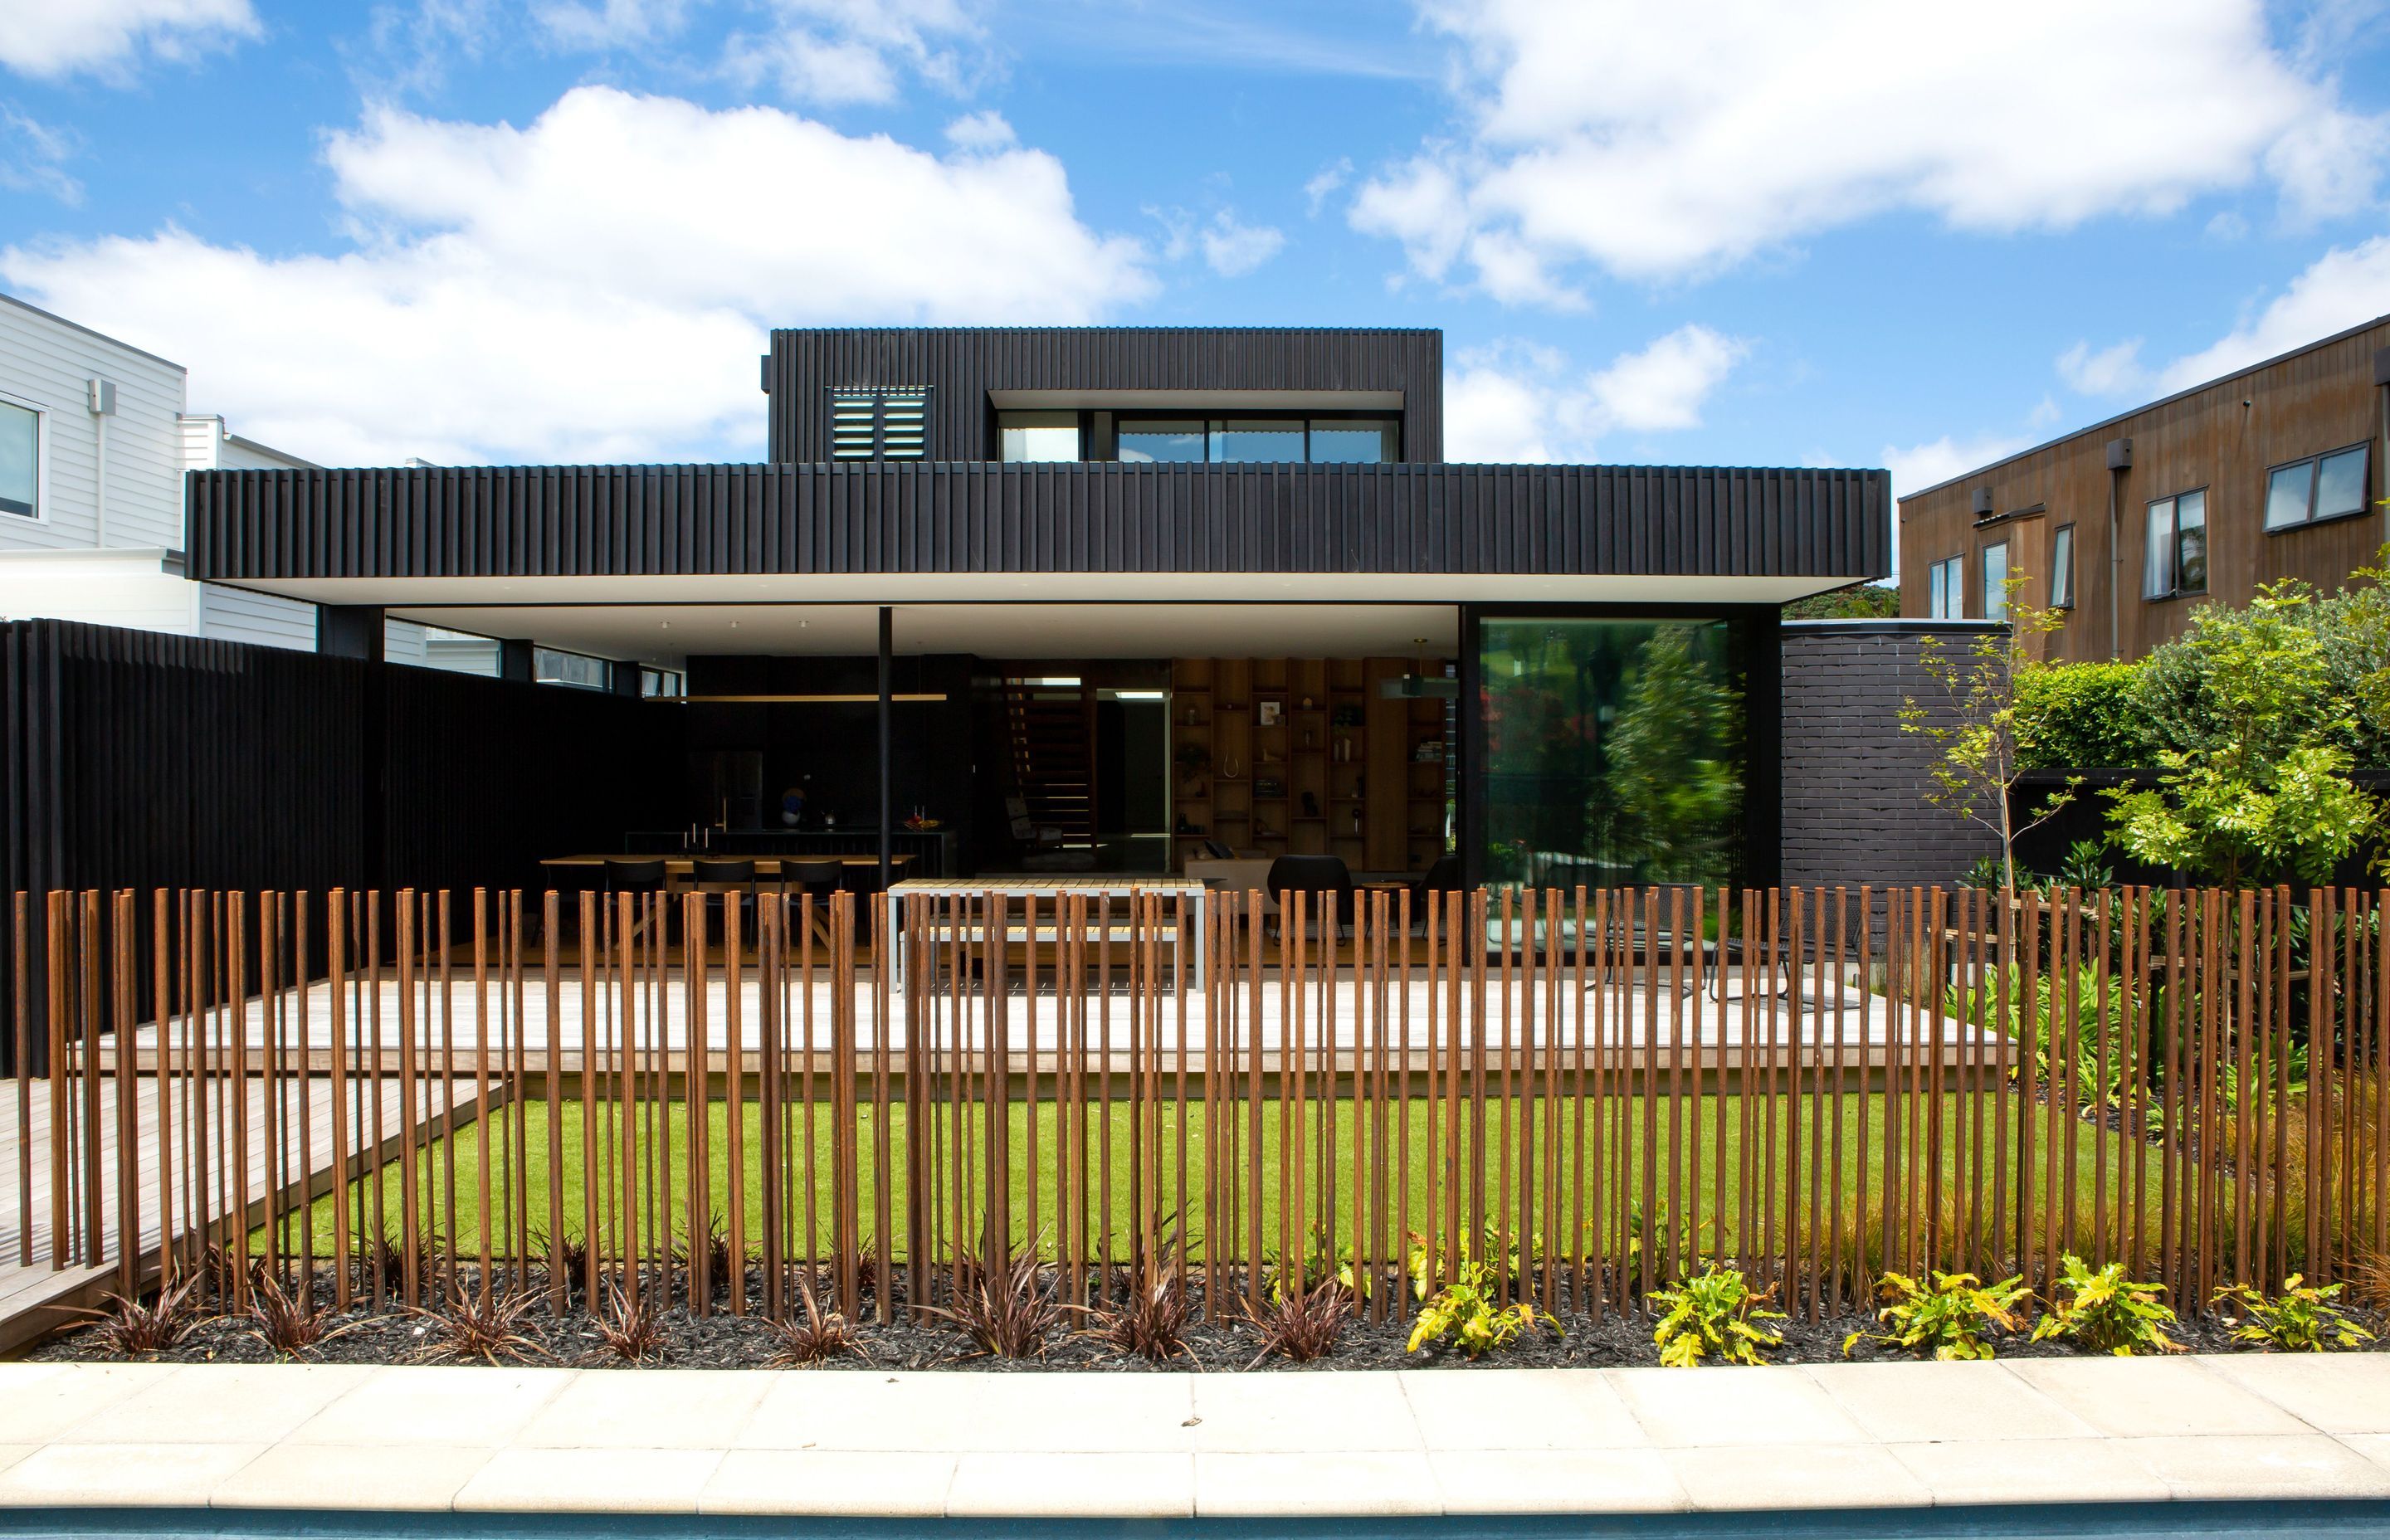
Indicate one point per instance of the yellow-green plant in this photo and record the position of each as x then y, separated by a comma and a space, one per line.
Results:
1715, 1311
2107, 1311
1948, 1318
2299, 1319
1465, 1313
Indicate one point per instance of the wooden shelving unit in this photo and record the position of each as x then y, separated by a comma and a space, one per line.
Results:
1307, 756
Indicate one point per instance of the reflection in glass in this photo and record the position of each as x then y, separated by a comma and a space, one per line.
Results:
1155, 442
1336, 441
2286, 495
1256, 440
1037, 436
1615, 751
1996, 581
2061, 568
2191, 543
21, 444
2157, 555
2340, 484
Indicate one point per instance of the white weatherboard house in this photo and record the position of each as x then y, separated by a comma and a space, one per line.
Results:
95, 439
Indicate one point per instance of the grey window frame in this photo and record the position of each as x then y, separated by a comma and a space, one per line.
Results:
2062, 572
1127, 421
1951, 573
1995, 609
2175, 590
2314, 464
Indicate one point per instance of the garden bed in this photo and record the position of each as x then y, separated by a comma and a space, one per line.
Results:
719, 1340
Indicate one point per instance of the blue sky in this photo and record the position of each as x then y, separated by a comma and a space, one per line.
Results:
1844, 233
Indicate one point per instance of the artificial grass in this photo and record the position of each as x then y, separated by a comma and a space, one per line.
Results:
453, 1209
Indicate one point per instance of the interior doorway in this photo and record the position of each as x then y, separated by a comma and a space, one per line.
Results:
1132, 753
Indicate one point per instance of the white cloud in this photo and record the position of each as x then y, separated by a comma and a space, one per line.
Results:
845, 52
51, 38
981, 132
1516, 403
607, 23
2112, 371
1325, 184
1668, 142
511, 295
33, 157
1923, 465
2343, 288
1232, 248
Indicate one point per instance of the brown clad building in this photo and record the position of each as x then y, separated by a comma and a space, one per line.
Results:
2274, 471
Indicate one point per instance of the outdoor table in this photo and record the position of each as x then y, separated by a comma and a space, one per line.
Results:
1057, 887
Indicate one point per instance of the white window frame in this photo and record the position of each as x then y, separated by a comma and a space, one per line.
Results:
40, 514
1948, 578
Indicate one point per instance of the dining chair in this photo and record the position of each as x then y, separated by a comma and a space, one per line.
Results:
1325, 876
813, 880
729, 877
638, 876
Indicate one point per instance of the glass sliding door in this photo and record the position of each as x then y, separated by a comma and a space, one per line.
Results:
1614, 751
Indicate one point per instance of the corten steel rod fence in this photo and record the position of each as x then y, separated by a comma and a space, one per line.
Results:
730, 1100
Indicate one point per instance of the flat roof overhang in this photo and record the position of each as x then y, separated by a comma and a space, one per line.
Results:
1439, 533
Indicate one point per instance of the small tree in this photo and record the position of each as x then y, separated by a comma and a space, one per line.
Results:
1972, 727
2254, 784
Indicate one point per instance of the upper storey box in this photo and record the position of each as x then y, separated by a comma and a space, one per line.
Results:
1168, 394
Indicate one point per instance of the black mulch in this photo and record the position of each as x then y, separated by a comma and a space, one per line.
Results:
721, 1341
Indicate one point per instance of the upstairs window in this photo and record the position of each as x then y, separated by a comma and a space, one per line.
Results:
2061, 568
880, 425
20, 460
2174, 563
1025, 437
554, 666
2320, 487
1258, 440
1946, 590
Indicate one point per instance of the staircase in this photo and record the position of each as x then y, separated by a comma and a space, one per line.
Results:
1051, 733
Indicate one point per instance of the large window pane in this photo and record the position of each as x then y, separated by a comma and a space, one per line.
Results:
21, 452
2191, 543
1996, 581
1937, 594
2157, 557
2061, 568
1256, 440
2286, 495
1037, 436
1150, 441
2340, 483
1614, 751
1338, 441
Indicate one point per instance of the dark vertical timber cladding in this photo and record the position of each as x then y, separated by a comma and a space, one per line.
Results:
884, 517
961, 366
145, 761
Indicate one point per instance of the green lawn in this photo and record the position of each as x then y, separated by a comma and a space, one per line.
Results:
1698, 1150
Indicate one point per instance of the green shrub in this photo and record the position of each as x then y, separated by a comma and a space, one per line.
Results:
2107, 1311
2299, 1319
2071, 715
1465, 1313
1714, 1312
1947, 1319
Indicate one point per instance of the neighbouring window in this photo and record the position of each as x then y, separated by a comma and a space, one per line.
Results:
20, 460
890, 424
1258, 440
551, 666
1996, 581
2320, 487
662, 682
2061, 568
1946, 595
1024, 437
2175, 561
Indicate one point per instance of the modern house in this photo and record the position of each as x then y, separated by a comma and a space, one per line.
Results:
1115, 599
2270, 472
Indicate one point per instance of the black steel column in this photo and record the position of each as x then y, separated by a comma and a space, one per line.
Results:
887, 745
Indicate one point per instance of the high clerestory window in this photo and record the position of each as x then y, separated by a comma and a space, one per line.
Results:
890, 423
1259, 440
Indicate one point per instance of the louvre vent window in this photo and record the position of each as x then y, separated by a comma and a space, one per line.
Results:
880, 425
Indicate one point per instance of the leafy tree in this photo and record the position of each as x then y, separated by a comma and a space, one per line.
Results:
1973, 727
2260, 718
1860, 602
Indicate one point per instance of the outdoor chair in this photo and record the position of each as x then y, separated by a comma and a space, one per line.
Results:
1326, 877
